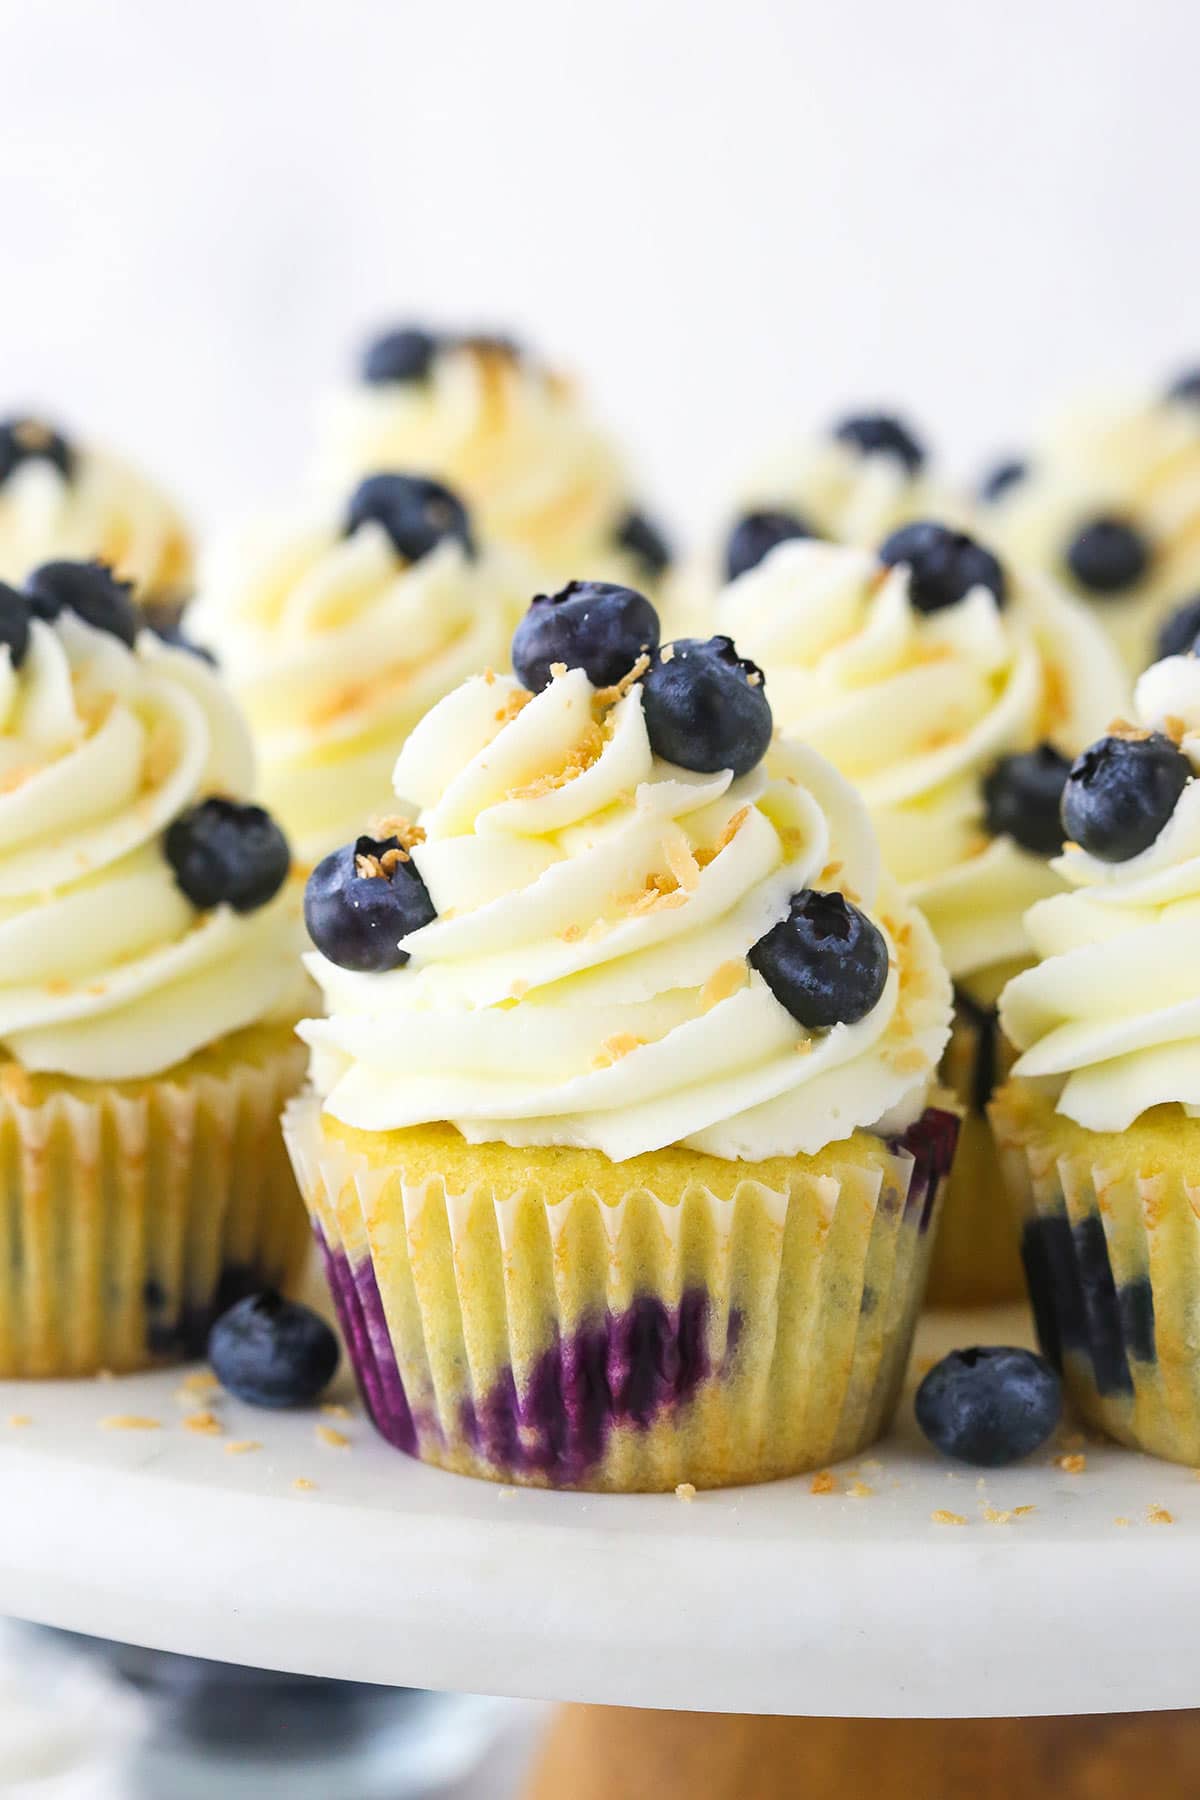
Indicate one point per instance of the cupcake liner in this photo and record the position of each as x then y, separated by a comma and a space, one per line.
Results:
132, 1213
627, 1342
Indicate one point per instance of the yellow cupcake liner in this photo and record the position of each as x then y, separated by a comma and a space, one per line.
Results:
132, 1212
1110, 1227
547, 1317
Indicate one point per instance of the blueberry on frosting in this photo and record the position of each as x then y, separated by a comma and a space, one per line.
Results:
706, 707
88, 589
1108, 555
226, 853
403, 355
595, 626
1001, 477
881, 433
417, 513
362, 899
944, 565
827, 963
756, 534
15, 614
28, 440
1177, 635
1023, 799
1121, 792
643, 540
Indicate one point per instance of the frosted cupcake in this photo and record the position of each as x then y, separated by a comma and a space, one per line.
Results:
336, 637
624, 1152
1100, 1124
949, 689
148, 988
70, 500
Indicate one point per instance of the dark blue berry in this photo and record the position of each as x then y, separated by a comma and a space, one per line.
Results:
417, 513
269, 1351
1108, 556
360, 901
404, 355
706, 707
88, 589
1177, 635
1023, 799
1002, 477
28, 440
826, 962
15, 615
1121, 792
873, 433
590, 625
944, 565
1186, 387
756, 534
225, 853
989, 1406
643, 540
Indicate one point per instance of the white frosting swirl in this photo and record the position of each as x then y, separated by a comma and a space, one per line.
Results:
585, 981
1110, 1015
106, 971
847, 494
916, 708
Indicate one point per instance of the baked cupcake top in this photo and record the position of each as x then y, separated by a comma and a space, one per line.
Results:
65, 499
946, 687
604, 921
338, 635
1110, 1015
141, 913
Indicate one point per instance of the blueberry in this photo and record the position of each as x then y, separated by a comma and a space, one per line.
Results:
89, 589
643, 540
15, 614
357, 916
1023, 799
706, 707
989, 1406
1121, 792
24, 440
1177, 635
875, 433
1002, 477
404, 355
269, 1351
417, 513
225, 853
590, 625
826, 962
756, 534
1107, 556
1186, 387
944, 565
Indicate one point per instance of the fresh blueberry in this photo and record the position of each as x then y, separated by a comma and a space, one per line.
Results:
15, 614
1002, 477
882, 433
417, 513
756, 534
225, 853
643, 540
989, 1406
89, 589
1108, 556
361, 900
1121, 792
944, 565
1186, 387
706, 707
26, 440
269, 1351
590, 625
1177, 635
404, 355
826, 962
1023, 799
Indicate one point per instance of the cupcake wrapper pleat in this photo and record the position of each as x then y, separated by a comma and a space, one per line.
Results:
628, 1346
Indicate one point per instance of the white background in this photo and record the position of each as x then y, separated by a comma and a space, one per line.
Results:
732, 219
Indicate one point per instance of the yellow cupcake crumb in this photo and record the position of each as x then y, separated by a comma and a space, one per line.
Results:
1158, 1515
685, 1491
18, 1421
327, 1434
723, 983
942, 1517
859, 1490
303, 1485
823, 1483
206, 1423
129, 1422
242, 1446
1074, 1464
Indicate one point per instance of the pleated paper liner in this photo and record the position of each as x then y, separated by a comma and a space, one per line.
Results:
550, 1318
131, 1213
1111, 1244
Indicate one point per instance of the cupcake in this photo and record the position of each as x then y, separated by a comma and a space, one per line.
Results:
1108, 501
148, 992
623, 1151
337, 636
509, 434
950, 690
1099, 1125
69, 500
